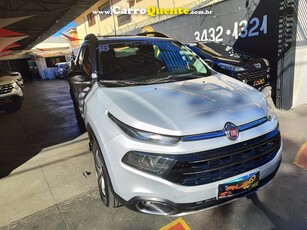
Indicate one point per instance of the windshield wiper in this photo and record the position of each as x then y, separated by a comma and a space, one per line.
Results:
118, 82
186, 76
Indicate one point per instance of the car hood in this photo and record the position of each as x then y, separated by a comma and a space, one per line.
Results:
184, 108
14, 74
248, 62
253, 64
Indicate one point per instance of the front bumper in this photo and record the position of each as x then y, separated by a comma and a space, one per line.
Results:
135, 188
9, 102
160, 206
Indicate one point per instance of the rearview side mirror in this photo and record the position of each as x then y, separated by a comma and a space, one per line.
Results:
72, 63
73, 73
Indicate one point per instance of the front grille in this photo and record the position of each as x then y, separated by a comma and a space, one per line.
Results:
218, 164
222, 132
254, 78
6, 88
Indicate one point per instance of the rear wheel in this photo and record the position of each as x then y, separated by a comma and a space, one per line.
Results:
104, 183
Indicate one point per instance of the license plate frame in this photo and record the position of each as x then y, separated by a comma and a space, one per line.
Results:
238, 186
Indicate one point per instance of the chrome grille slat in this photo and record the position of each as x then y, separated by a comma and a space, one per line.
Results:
6, 88
222, 133
212, 165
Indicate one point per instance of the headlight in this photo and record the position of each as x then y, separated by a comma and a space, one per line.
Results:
229, 67
20, 81
156, 164
145, 136
15, 85
270, 111
266, 61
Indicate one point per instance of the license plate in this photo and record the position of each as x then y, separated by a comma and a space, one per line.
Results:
238, 186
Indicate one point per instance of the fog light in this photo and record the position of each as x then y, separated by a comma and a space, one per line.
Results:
155, 207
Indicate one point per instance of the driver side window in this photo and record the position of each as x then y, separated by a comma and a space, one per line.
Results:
87, 62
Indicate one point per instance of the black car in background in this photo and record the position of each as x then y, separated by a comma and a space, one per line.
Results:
225, 59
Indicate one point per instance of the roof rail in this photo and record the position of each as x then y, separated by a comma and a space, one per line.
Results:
155, 34
118, 35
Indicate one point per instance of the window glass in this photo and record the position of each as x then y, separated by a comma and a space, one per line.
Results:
51, 61
147, 61
80, 57
123, 19
218, 49
87, 62
105, 8
91, 19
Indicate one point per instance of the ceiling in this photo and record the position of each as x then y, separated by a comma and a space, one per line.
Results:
38, 19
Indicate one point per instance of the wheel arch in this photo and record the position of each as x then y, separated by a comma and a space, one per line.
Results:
91, 134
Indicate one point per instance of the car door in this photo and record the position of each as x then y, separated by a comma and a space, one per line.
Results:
80, 81
86, 67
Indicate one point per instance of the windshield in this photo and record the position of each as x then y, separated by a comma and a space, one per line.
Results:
219, 50
3, 72
148, 62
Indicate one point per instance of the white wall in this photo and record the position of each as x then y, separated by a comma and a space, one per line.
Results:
106, 26
300, 77
300, 73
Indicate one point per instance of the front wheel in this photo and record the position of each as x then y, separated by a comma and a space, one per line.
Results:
104, 183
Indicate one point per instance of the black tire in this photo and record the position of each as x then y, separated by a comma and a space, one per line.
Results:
104, 183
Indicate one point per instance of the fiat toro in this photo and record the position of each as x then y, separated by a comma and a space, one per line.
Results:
170, 135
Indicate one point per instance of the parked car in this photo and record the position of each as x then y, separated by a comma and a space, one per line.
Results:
66, 69
170, 135
225, 59
60, 68
11, 95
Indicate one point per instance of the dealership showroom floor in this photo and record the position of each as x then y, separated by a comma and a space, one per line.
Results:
48, 177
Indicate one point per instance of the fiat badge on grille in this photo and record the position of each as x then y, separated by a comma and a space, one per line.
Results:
232, 131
